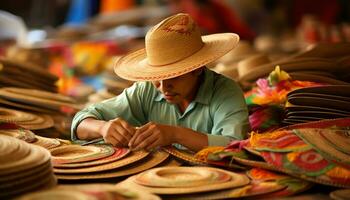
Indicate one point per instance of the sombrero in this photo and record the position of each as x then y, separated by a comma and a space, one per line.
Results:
236, 180
118, 154
22, 134
41, 122
174, 177
263, 184
252, 190
132, 157
152, 160
76, 153
174, 47
26, 120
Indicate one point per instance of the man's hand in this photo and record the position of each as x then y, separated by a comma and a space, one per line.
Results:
117, 132
152, 135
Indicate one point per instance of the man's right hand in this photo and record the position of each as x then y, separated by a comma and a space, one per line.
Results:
117, 132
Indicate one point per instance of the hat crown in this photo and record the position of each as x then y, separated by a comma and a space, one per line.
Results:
172, 40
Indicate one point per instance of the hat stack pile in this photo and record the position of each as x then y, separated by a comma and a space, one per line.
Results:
317, 103
211, 183
26, 75
24, 167
91, 192
37, 100
30, 137
323, 63
20, 124
185, 180
26, 120
75, 162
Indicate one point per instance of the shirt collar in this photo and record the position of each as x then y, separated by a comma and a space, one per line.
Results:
205, 90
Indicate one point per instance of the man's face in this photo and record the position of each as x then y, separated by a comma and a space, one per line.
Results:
179, 89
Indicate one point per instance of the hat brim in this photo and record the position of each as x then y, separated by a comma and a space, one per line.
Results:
152, 160
289, 65
135, 67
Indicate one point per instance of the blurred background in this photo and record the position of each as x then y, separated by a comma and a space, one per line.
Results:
78, 40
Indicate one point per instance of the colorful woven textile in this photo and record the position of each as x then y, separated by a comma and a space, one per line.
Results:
321, 158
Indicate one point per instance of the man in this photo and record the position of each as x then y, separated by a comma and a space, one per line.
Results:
176, 99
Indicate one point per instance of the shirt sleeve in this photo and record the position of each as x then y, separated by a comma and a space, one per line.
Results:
127, 106
230, 116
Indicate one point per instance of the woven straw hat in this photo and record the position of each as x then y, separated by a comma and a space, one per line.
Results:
125, 168
174, 47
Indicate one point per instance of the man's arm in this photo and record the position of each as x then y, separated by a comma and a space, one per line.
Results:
89, 129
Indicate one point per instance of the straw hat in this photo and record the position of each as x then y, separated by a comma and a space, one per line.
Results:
236, 180
131, 158
174, 47
118, 154
157, 158
76, 153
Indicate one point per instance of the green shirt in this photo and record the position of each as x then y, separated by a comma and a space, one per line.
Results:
218, 110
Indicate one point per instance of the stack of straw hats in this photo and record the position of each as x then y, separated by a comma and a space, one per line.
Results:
75, 162
30, 137
24, 167
25, 75
26, 120
317, 103
202, 183
321, 63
